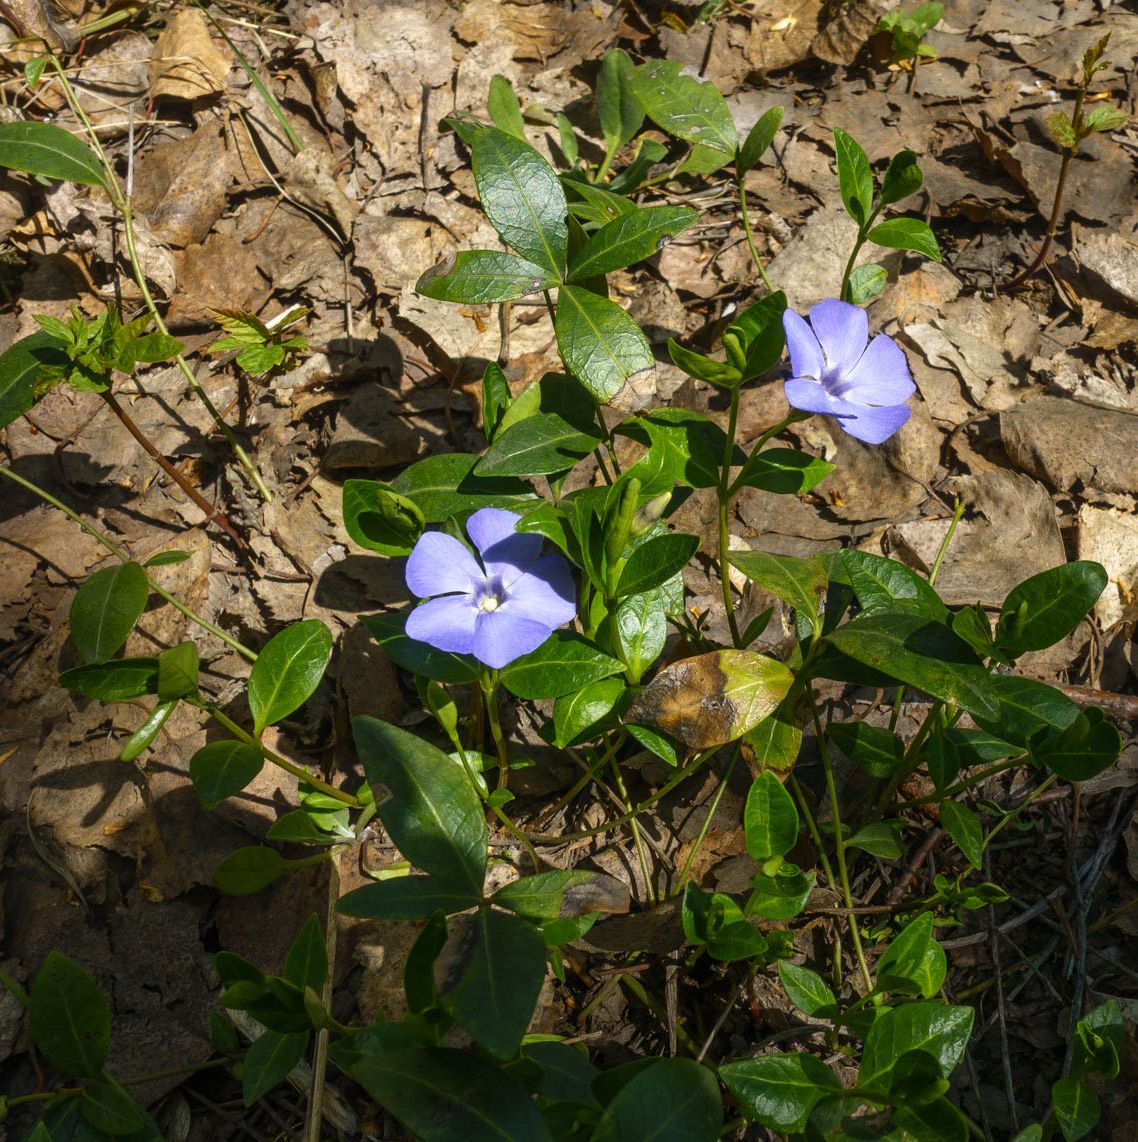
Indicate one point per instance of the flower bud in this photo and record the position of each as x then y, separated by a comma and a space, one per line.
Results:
650, 513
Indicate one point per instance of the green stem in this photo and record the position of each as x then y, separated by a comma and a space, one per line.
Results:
637, 839
862, 232
963, 785
11, 985
750, 236
1030, 799
297, 771
490, 692
119, 553
724, 516
59, 1095
792, 418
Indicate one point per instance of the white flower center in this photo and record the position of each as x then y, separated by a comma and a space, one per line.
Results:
489, 603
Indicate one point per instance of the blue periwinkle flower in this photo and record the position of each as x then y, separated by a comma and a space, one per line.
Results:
497, 607
839, 372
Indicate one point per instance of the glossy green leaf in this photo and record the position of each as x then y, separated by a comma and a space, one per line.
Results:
418, 657
427, 805
884, 586
20, 366
287, 671
797, 582
780, 896
504, 108
601, 345
118, 681
648, 153
779, 1091
855, 179
537, 446
489, 982
441, 1095
972, 625
755, 338
306, 962
655, 561
617, 108
407, 898
657, 744
866, 282
178, 672
713, 698
248, 870
963, 826
668, 1099
629, 239
758, 139
935, 1027
691, 444
915, 957
561, 665
1076, 1108
269, 1061
902, 178
770, 819
807, 990
444, 485
876, 750
1084, 749
496, 398
583, 715
68, 1018
222, 769
1026, 707
148, 731
907, 234
879, 838
379, 519
776, 741
479, 277
703, 368
640, 627
919, 652
49, 151
105, 609
783, 471
690, 109
560, 894
522, 198
1048, 606
594, 205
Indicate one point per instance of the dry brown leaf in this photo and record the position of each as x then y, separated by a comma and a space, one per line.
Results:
187, 64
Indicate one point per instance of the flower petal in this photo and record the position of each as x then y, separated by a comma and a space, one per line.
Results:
440, 565
448, 623
809, 396
545, 593
842, 330
500, 637
881, 377
805, 352
505, 552
875, 425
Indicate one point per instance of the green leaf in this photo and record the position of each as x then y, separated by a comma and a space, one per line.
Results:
504, 108
379, 519
881, 838
783, 471
1076, 1108
755, 339
49, 151
807, 990
855, 179
963, 826
539, 445
431, 811
884, 586
594, 205
248, 870
655, 561
442, 1095
902, 178
1048, 606
105, 609
68, 1018
478, 277
581, 716
779, 1091
691, 110
407, 898
906, 234
712, 698
781, 896
496, 398
567, 1074
269, 1061
490, 983
703, 368
178, 672
880, 753
668, 1099
617, 108
971, 624
221, 769
797, 582
119, 681
20, 366
148, 731
629, 239
560, 894
760, 136
1084, 749
109, 1108
866, 282
640, 628
1026, 707
914, 957
776, 740
306, 963
168, 558
918, 652
418, 657
770, 819
562, 664
147, 349
654, 743
691, 444
522, 198
601, 345
287, 671
1103, 117
934, 1027
444, 485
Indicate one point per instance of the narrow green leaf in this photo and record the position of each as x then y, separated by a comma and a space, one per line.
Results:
418, 657
407, 898
755, 339
963, 826
902, 178
496, 398
915, 957
583, 715
49, 151
934, 1027
120, 680
504, 108
69, 1020
875, 749
783, 471
108, 1107
629, 239
866, 282
880, 838
617, 108
907, 234
379, 519
703, 368
269, 1061
178, 672
444, 485
306, 963
760, 136
884, 586
855, 179
807, 990
479, 277
797, 582
770, 819
1076, 1107
654, 562
287, 671
601, 345
248, 870
148, 731
105, 609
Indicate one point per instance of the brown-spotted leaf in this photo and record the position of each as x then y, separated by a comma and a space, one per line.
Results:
713, 698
